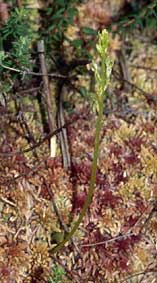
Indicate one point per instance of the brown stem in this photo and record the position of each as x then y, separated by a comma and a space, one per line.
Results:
63, 134
46, 88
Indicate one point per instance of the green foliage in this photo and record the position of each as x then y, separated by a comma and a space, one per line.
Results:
58, 273
141, 18
16, 39
57, 17
17, 25
60, 15
82, 45
89, 31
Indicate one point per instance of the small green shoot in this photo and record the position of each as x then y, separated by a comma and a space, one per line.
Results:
58, 273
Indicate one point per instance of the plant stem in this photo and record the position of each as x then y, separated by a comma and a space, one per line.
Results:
92, 180
102, 75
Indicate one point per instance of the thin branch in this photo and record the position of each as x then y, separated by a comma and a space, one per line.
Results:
28, 72
143, 67
40, 142
137, 274
61, 222
35, 168
8, 201
108, 241
129, 233
118, 77
29, 134
26, 91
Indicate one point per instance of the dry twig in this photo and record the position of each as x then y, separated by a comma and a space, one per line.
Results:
48, 97
40, 142
63, 134
124, 69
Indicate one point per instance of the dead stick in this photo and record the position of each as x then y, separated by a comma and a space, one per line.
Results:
47, 95
63, 134
124, 69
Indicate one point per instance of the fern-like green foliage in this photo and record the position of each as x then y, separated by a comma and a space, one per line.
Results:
16, 37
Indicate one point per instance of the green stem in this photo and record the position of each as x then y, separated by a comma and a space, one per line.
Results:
92, 180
